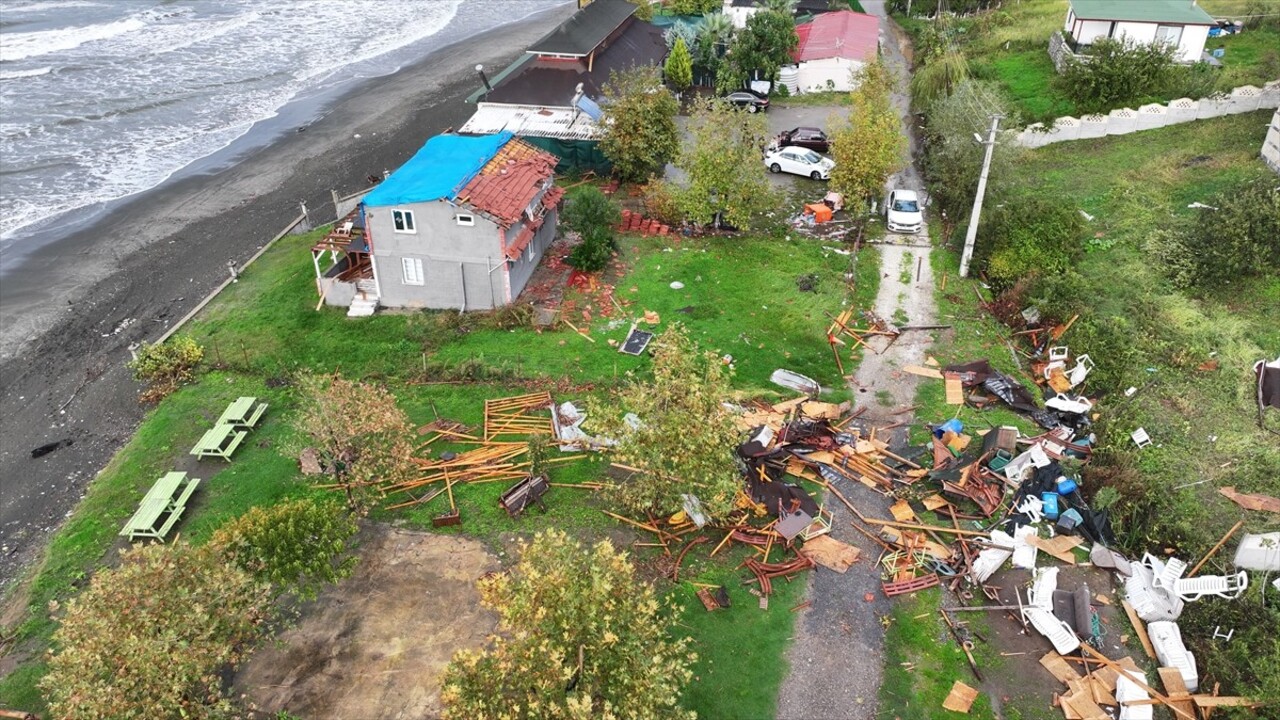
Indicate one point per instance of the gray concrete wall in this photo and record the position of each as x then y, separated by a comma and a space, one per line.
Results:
523, 268
1271, 146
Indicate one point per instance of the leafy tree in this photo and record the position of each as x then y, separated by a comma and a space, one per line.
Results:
581, 639
1026, 237
1117, 73
953, 160
939, 77
644, 10
1238, 238
762, 47
713, 40
298, 545
148, 639
685, 438
782, 7
722, 161
640, 135
679, 66
361, 437
692, 7
166, 366
870, 146
593, 216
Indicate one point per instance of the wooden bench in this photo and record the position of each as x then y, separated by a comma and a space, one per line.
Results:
220, 441
166, 499
243, 412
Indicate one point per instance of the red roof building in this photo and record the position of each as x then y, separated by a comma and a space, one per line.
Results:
832, 47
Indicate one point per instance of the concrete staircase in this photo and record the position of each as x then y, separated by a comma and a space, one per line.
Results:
366, 300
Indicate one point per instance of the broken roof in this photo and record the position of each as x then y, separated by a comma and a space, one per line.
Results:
582, 33
510, 181
845, 34
443, 164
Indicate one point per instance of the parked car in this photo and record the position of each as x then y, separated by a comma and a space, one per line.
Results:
806, 137
749, 99
799, 161
903, 213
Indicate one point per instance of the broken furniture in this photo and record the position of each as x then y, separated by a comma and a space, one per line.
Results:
1224, 586
1259, 552
637, 340
1141, 438
166, 499
713, 599
524, 493
1166, 638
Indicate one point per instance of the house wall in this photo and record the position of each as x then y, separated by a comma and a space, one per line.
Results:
814, 74
1087, 32
738, 15
453, 257
521, 270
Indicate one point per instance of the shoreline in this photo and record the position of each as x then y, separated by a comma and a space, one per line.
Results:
66, 331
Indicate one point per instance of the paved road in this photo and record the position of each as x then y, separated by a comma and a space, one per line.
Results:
837, 656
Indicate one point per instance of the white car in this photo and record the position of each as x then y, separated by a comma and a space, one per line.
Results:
799, 161
902, 211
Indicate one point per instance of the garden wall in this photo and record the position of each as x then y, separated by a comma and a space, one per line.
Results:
1246, 98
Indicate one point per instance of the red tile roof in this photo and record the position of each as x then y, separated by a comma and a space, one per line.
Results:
844, 34
521, 242
508, 183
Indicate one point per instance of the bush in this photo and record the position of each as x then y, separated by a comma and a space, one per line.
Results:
1027, 237
1117, 73
298, 545
149, 638
953, 160
581, 638
640, 133
1238, 236
594, 216
166, 366
660, 202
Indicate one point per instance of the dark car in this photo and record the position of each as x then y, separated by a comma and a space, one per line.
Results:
750, 99
805, 137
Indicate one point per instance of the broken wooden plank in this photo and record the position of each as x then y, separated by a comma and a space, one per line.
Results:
1247, 501
1059, 668
923, 371
961, 698
1141, 629
954, 391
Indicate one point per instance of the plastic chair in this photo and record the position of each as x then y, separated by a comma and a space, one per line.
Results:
1141, 438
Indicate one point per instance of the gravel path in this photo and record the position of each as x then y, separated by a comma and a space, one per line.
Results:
837, 654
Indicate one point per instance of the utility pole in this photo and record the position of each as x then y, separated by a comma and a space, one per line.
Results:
972, 234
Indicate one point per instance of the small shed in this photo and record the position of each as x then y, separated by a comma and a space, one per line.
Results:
1181, 23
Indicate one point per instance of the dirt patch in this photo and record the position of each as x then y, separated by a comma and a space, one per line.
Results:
374, 646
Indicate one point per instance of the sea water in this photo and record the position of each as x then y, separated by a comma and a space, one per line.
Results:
100, 100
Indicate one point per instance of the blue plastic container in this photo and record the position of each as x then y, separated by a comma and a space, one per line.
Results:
1066, 485
1050, 500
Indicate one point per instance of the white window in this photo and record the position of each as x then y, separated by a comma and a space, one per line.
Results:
403, 221
1171, 34
412, 271
467, 220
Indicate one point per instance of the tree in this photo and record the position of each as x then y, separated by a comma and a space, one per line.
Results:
593, 216
726, 181
581, 638
1236, 237
640, 135
679, 66
782, 7
1117, 73
298, 545
149, 638
953, 160
762, 47
685, 439
713, 40
938, 77
361, 437
692, 7
870, 146
644, 10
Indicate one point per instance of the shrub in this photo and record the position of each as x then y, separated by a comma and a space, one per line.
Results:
148, 639
953, 160
1026, 237
1117, 73
594, 216
581, 638
298, 545
679, 65
1238, 236
660, 202
165, 366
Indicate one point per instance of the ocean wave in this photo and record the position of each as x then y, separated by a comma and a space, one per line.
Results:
56, 5
17, 46
15, 74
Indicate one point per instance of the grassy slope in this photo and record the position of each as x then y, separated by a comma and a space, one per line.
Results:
744, 302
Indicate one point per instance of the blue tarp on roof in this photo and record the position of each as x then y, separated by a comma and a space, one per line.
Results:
588, 106
439, 169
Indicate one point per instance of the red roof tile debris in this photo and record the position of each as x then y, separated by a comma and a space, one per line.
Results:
509, 182
843, 34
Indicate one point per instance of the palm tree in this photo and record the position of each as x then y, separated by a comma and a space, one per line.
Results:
718, 27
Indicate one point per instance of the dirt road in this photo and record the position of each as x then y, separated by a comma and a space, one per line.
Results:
837, 655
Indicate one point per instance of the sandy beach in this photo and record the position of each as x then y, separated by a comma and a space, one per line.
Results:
68, 321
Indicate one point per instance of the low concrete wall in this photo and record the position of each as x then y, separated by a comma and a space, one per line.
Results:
1271, 146
1245, 98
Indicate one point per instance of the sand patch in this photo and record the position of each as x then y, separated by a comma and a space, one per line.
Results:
375, 645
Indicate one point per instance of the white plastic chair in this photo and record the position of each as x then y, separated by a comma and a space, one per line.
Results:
1224, 586
1059, 354
1059, 633
1141, 438
1166, 639
1171, 574
1077, 374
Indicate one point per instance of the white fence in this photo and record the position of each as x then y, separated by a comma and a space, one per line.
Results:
1123, 121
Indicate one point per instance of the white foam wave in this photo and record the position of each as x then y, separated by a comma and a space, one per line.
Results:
56, 5
15, 74
17, 46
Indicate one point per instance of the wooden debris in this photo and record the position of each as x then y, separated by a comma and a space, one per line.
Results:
1059, 668
1141, 629
902, 512
960, 699
954, 391
830, 553
1059, 546
909, 586
1214, 550
1262, 503
1176, 687
923, 371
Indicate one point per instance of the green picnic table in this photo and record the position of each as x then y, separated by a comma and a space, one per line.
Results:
166, 499
220, 441
243, 412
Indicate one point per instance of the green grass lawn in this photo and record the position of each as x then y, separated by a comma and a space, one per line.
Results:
740, 299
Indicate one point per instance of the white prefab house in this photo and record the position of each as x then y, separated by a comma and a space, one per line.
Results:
1181, 23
